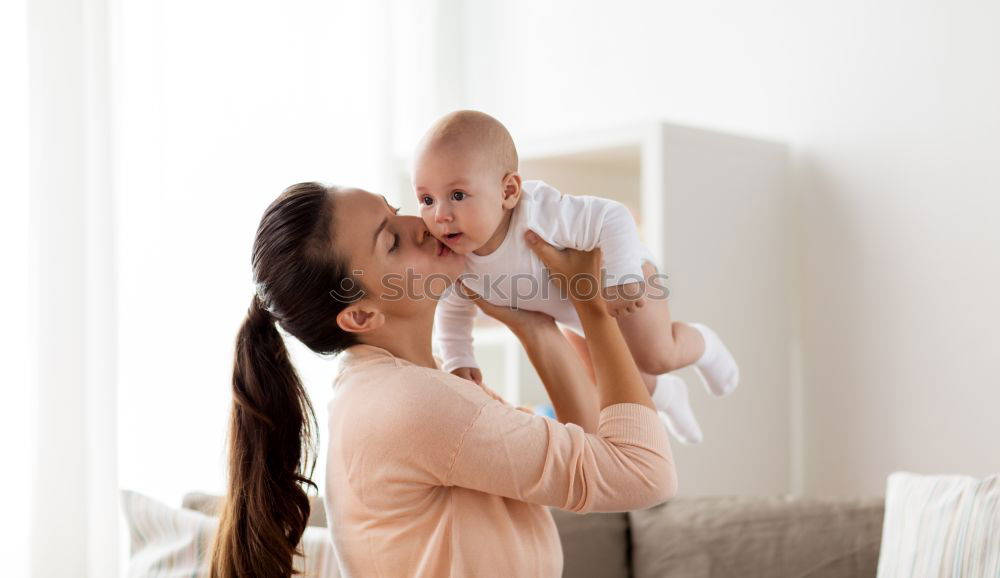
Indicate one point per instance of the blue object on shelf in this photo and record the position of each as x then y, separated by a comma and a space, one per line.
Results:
545, 409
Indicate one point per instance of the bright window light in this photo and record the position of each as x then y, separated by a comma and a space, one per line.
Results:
223, 105
19, 413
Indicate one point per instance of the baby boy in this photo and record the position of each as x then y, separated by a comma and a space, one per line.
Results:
472, 199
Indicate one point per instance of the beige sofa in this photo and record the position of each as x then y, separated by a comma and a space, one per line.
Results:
721, 537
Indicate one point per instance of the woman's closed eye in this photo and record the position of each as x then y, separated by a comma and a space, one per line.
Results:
395, 242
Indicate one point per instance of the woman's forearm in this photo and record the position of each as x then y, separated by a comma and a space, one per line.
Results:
617, 377
573, 397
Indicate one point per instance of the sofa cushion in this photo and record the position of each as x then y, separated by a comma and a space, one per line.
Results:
941, 526
209, 504
749, 537
168, 541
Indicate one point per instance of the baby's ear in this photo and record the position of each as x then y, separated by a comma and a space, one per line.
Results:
511, 190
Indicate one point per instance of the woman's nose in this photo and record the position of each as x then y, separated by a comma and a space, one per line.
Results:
422, 233
420, 230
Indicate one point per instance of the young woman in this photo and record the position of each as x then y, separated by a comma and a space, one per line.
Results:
428, 474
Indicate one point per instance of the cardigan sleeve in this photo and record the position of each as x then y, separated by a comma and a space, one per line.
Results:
439, 429
626, 465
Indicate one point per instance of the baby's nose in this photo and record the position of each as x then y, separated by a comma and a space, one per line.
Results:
442, 216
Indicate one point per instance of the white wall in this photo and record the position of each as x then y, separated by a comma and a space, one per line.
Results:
892, 109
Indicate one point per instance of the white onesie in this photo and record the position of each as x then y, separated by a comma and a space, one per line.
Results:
514, 276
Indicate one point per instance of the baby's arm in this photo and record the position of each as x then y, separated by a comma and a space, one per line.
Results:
453, 328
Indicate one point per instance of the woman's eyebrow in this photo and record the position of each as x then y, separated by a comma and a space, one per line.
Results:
391, 208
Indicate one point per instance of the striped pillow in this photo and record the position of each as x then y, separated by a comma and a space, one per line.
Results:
943, 526
175, 542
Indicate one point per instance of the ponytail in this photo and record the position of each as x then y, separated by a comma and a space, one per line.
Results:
271, 425
270, 442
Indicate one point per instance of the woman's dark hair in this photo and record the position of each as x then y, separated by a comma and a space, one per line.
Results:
272, 423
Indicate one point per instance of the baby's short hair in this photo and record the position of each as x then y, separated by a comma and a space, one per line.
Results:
471, 128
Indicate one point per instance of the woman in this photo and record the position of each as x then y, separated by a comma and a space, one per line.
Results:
428, 474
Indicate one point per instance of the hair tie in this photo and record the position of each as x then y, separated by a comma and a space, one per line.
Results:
260, 310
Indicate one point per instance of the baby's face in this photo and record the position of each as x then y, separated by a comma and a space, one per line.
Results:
460, 195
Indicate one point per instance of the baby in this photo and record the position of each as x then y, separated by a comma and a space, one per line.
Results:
473, 200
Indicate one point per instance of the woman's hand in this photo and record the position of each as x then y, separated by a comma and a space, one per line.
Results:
574, 273
571, 391
521, 322
577, 274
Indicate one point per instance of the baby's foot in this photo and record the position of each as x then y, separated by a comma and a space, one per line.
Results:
671, 400
717, 368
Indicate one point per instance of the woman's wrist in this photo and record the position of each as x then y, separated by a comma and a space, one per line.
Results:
535, 330
593, 307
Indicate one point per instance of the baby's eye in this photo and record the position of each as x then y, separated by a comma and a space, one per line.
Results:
458, 195
426, 200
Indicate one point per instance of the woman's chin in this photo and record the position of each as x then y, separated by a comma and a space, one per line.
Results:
451, 263
442, 277
450, 250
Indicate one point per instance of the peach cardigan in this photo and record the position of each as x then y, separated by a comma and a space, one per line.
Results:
429, 474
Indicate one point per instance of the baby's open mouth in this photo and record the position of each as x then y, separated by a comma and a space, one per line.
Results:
452, 237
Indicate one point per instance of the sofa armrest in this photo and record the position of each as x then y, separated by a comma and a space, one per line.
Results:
594, 545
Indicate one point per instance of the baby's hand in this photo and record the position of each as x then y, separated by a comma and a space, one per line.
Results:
624, 299
470, 373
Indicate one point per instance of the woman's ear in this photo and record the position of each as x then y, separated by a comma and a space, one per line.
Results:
511, 190
360, 317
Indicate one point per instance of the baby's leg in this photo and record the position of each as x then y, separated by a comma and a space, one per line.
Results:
658, 350
669, 393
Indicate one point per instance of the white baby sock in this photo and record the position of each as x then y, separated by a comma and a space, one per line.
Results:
717, 368
671, 400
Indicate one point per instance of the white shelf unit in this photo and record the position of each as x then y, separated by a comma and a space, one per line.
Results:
714, 209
